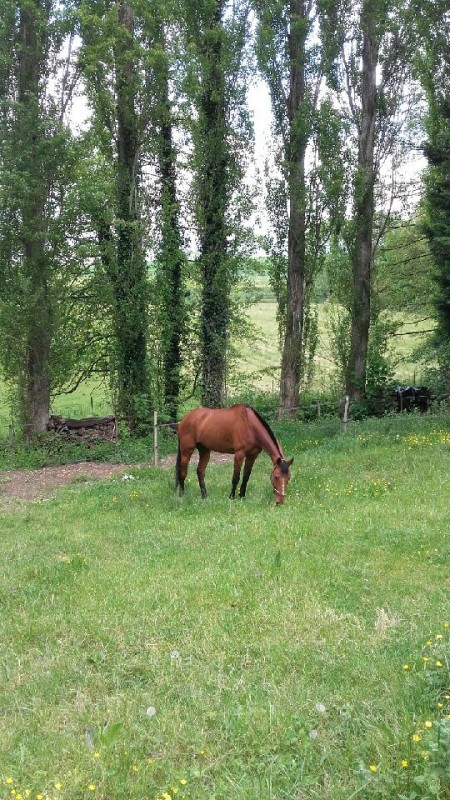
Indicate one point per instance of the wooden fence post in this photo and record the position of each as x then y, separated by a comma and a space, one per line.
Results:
155, 438
345, 418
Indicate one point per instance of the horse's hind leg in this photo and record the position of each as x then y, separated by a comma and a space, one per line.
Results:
204, 455
238, 459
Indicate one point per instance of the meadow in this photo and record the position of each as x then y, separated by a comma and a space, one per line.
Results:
153, 647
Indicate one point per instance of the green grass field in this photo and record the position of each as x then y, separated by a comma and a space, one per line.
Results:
263, 356
158, 648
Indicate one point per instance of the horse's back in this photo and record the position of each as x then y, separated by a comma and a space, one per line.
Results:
220, 429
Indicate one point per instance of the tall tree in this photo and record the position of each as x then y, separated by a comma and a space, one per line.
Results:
364, 203
216, 36
170, 257
291, 62
111, 61
368, 47
433, 65
34, 147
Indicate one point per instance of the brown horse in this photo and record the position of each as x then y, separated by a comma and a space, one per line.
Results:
239, 430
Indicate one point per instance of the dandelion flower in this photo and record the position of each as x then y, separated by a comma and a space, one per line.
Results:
425, 658
96, 754
438, 664
9, 780
58, 786
183, 781
416, 737
406, 667
428, 723
135, 768
91, 787
404, 762
373, 767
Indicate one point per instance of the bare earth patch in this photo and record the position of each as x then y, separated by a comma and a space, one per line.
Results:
41, 484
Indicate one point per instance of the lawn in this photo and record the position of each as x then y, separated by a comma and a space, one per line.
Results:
153, 647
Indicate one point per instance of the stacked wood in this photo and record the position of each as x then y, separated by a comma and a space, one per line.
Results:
90, 429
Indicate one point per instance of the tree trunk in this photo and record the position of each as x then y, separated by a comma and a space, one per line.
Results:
213, 199
296, 271
129, 278
171, 256
363, 210
34, 388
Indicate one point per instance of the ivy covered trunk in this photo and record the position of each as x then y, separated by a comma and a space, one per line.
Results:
171, 256
34, 383
129, 276
213, 200
291, 363
363, 210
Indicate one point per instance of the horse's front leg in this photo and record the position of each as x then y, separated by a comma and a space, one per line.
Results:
238, 459
248, 466
204, 455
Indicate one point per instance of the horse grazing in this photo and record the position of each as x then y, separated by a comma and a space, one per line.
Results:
239, 430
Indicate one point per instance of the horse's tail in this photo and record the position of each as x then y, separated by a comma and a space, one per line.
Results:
177, 466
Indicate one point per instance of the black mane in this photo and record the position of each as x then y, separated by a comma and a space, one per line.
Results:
270, 432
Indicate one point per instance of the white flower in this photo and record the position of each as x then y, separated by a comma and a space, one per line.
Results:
313, 734
128, 477
151, 711
320, 708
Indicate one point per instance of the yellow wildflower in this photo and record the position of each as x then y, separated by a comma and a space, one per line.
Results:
373, 767
439, 663
96, 754
183, 781
406, 666
91, 787
416, 738
9, 780
404, 762
428, 724
58, 786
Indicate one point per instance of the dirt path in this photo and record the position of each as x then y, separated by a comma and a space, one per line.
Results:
41, 484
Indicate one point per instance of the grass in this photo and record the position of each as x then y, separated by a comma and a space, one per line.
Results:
262, 358
235, 650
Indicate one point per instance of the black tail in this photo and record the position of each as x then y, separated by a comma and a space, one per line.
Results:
177, 467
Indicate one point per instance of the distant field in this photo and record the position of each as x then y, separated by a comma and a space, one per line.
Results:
264, 355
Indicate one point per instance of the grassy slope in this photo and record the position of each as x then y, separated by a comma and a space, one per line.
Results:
265, 353
233, 620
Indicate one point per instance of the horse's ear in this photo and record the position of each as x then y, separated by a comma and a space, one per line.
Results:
278, 461
290, 462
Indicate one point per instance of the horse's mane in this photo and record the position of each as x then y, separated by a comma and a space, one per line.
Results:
268, 429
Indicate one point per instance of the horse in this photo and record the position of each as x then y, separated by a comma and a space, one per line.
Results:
238, 429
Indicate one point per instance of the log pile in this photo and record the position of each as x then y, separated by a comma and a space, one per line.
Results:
88, 430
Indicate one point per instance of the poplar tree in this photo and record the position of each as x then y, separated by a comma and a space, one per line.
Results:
215, 40
111, 61
35, 162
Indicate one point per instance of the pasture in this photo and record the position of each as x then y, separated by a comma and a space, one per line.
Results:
153, 647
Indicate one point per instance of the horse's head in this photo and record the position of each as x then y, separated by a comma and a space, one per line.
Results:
280, 477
